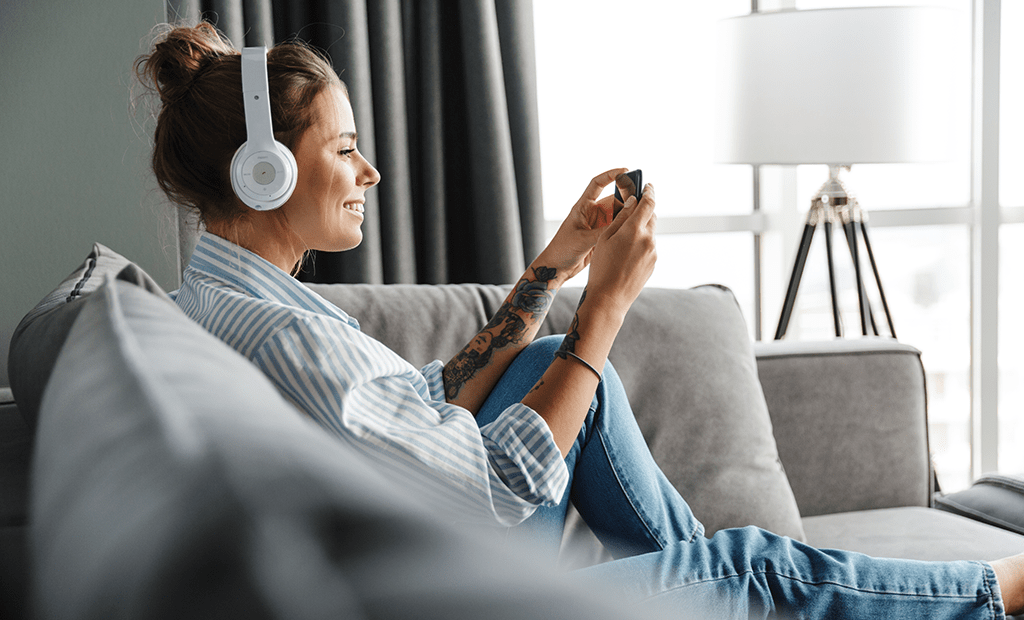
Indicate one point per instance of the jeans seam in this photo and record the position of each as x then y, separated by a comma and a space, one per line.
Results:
990, 578
622, 485
825, 582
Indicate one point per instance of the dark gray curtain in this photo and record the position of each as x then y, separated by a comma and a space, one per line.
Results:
444, 96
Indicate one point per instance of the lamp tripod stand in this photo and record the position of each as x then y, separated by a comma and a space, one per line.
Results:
834, 204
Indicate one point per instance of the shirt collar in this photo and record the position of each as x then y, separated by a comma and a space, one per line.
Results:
251, 273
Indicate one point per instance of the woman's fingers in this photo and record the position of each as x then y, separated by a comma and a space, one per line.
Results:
601, 181
645, 210
637, 215
620, 220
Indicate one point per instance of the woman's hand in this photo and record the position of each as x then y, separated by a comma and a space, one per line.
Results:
624, 257
621, 256
571, 248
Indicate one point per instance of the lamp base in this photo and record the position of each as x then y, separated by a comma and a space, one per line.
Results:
831, 204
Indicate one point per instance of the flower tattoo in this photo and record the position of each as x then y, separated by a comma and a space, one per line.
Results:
529, 301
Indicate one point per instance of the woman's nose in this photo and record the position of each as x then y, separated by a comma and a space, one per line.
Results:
370, 175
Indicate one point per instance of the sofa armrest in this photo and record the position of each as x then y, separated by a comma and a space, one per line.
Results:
850, 421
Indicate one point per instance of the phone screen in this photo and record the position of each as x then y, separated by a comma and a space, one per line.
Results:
627, 184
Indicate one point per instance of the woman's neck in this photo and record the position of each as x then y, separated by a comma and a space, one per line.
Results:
265, 233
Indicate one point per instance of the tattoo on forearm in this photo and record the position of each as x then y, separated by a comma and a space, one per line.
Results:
533, 296
573, 335
462, 368
512, 330
536, 387
530, 299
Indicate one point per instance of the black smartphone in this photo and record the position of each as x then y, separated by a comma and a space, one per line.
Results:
627, 184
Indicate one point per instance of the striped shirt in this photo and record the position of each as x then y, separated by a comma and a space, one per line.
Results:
366, 394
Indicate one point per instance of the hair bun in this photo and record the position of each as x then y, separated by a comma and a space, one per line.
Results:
178, 56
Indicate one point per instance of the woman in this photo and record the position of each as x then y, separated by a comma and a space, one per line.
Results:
509, 428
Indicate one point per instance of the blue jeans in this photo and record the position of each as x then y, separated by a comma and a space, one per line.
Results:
664, 558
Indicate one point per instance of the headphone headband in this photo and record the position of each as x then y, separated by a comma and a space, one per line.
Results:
256, 94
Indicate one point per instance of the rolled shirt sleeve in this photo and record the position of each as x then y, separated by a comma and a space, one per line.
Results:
519, 441
433, 374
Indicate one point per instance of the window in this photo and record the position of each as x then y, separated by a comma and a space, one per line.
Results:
635, 87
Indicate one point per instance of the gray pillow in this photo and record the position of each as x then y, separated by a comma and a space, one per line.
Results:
172, 481
685, 358
40, 335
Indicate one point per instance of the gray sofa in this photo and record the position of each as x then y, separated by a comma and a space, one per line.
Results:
149, 471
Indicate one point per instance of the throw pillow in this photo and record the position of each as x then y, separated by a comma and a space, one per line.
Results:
40, 335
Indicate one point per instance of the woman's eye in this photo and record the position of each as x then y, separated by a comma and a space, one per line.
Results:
346, 152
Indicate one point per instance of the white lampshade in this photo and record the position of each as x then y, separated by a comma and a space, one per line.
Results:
835, 86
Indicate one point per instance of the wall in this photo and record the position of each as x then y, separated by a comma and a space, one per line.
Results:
74, 162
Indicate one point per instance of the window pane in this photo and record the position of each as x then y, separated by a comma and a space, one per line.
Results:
633, 85
1011, 355
686, 260
1011, 92
925, 276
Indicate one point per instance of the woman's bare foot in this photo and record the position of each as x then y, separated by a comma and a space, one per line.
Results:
1010, 575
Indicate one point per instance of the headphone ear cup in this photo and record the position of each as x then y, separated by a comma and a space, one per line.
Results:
263, 179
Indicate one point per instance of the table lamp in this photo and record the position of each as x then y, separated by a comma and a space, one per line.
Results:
837, 87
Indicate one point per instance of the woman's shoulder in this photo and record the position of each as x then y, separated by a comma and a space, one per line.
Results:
233, 314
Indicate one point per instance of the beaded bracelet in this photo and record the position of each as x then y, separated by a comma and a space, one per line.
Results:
585, 363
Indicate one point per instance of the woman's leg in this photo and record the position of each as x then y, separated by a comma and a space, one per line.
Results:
752, 573
615, 484
632, 507
542, 530
617, 487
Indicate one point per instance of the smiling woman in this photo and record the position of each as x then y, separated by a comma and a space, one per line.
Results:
195, 69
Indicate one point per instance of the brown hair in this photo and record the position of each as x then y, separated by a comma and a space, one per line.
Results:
197, 75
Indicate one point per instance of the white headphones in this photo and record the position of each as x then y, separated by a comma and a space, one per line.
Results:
263, 171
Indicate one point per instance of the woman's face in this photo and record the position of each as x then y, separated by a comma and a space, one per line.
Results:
326, 208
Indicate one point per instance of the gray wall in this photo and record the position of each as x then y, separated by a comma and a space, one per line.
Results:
74, 160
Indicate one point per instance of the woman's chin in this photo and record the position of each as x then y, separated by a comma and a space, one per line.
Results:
350, 243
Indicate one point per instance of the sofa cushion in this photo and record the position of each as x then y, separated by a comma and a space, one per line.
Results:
39, 336
912, 533
685, 357
171, 480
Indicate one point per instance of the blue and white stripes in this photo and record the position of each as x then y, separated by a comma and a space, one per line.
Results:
367, 395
